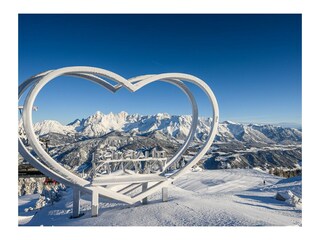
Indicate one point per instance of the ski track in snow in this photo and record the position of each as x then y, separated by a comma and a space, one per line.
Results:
207, 198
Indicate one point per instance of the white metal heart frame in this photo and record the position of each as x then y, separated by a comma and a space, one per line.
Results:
104, 186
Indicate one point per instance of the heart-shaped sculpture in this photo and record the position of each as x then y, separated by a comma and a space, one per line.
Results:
49, 167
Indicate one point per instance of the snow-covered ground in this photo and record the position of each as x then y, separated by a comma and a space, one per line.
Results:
235, 197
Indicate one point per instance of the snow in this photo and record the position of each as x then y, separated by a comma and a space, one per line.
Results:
26, 202
289, 197
233, 197
47, 126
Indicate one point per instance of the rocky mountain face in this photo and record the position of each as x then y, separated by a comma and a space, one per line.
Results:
236, 145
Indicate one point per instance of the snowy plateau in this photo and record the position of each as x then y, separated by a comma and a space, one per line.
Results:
230, 186
232, 197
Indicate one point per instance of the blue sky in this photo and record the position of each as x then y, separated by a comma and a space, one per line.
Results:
251, 62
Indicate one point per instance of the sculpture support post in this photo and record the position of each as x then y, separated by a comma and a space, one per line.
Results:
94, 204
76, 202
164, 194
144, 188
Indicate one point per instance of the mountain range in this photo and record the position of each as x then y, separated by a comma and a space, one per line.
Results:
236, 145
173, 126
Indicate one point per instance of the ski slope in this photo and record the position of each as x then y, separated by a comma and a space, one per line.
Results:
235, 197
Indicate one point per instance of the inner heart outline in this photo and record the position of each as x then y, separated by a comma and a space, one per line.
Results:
56, 171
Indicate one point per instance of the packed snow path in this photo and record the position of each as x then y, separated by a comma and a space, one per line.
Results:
207, 198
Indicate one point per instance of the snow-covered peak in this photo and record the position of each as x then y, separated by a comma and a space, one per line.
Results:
230, 122
97, 116
99, 123
161, 116
48, 126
